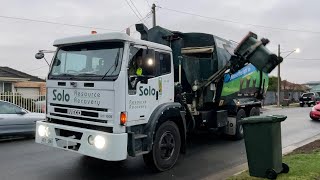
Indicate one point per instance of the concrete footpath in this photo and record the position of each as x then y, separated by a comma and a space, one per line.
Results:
243, 167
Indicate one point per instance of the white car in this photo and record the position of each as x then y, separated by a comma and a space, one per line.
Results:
15, 120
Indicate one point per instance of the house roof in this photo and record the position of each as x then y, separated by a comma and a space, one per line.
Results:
315, 89
313, 83
9, 73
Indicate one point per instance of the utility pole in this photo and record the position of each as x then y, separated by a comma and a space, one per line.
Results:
153, 15
279, 79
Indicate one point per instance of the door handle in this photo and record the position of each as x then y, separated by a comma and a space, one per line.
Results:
157, 95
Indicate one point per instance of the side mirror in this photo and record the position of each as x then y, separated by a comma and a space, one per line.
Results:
39, 55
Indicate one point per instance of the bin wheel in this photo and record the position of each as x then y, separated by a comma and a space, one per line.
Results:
285, 168
271, 174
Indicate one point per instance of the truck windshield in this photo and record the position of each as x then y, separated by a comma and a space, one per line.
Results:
88, 61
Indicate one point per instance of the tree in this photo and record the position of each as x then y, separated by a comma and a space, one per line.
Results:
273, 83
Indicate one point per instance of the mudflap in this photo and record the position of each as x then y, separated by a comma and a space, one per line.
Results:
230, 128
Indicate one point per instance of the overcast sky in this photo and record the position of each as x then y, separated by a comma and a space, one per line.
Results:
20, 40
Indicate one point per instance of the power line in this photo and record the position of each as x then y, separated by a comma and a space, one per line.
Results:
146, 17
133, 10
56, 23
35, 68
148, 3
136, 8
237, 22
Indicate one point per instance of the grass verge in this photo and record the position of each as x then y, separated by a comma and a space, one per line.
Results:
304, 163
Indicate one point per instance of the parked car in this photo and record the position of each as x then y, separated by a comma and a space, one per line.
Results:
15, 120
309, 98
315, 112
40, 106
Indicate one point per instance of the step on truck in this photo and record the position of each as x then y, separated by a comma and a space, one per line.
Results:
110, 96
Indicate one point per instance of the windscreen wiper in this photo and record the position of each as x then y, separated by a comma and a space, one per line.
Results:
87, 74
115, 65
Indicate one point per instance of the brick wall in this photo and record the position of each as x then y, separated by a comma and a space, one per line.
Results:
30, 84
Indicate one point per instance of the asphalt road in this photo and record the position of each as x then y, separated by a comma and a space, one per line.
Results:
207, 155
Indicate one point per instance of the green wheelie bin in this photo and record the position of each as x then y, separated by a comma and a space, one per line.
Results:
262, 135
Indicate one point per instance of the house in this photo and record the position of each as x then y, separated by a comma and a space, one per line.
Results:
12, 80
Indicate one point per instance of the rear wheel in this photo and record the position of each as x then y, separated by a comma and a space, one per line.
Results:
255, 111
239, 129
166, 148
309, 105
301, 105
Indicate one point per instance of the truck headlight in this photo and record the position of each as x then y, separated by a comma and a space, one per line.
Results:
99, 142
43, 131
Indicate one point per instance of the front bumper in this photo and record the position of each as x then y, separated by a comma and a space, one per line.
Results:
115, 148
307, 102
315, 114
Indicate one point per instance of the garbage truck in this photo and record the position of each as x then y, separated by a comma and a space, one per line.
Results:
110, 96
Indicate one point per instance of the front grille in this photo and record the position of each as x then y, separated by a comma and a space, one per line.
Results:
83, 113
80, 125
79, 107
78, 118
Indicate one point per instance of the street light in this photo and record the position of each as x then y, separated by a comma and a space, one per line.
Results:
297, 50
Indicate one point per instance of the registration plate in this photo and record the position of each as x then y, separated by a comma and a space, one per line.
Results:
45, 140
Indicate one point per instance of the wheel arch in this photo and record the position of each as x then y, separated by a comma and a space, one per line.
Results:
166, 112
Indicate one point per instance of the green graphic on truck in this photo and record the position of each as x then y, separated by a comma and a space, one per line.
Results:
245, 82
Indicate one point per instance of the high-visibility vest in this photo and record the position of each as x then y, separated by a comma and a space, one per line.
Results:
139, 71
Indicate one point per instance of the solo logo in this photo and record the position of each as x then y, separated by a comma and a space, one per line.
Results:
60, 96
147, 91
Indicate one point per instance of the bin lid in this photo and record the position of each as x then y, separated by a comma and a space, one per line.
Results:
263, 119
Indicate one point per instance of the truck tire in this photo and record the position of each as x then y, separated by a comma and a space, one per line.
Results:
166, 147
255, 111
239, 129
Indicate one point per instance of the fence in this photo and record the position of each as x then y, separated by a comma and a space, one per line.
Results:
271, 97
32, 103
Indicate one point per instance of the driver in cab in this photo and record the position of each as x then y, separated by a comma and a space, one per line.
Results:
136, 68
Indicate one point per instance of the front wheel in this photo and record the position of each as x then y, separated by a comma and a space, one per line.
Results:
309, 105
255, 111
166, 147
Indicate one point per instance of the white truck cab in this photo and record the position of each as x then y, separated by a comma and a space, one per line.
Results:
96, 89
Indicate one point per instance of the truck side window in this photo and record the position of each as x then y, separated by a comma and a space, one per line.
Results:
141, 67
165, 63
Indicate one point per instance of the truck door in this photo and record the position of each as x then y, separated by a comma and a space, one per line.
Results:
166, 77
143, 89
